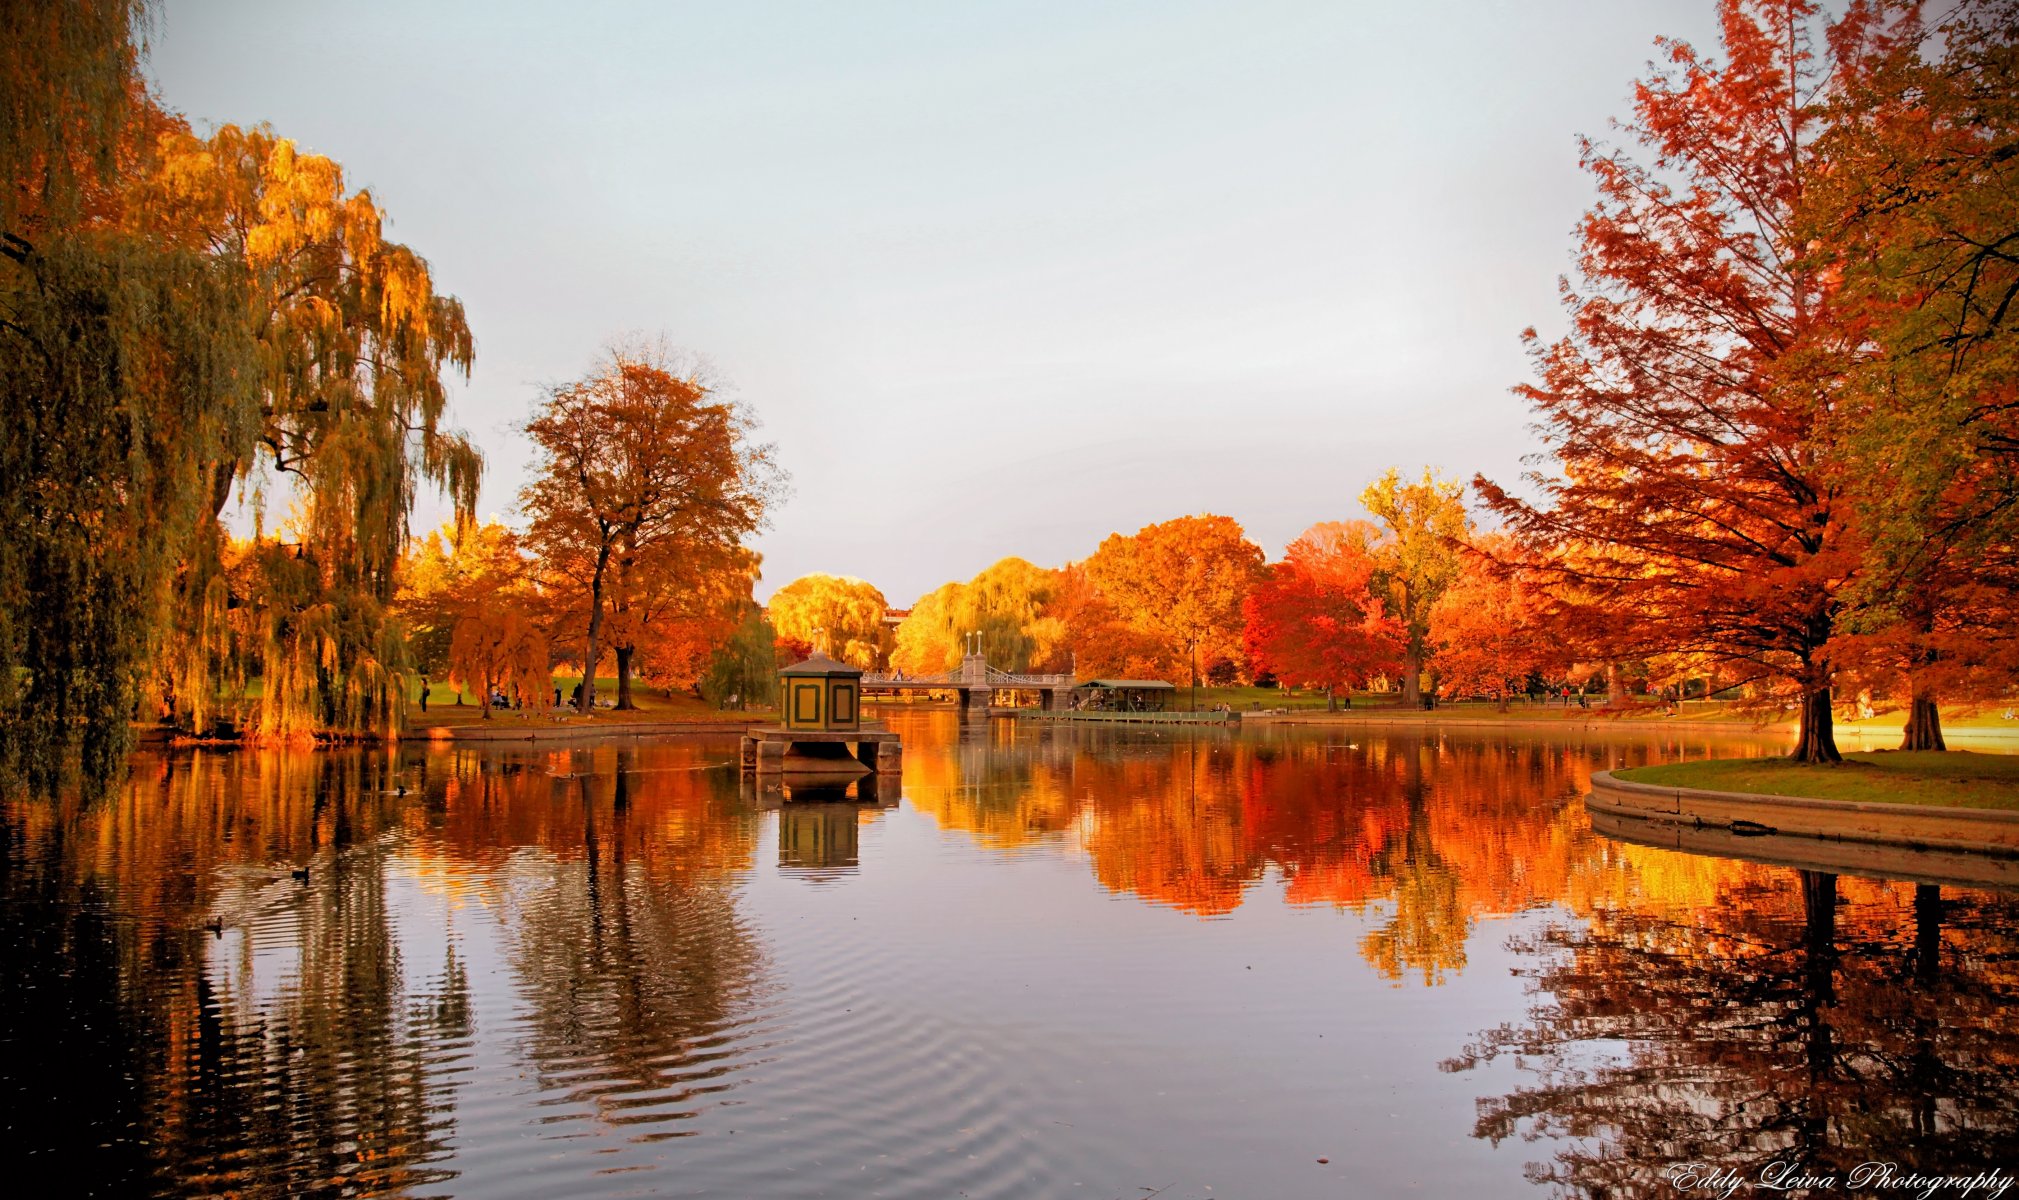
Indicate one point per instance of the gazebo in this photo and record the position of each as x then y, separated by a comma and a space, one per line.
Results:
1126, 695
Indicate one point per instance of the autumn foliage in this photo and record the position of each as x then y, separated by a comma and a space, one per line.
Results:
1690, 504
1315, 618
646, 482
1168, 597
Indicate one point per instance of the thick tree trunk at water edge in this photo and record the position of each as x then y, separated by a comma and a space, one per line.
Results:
1924, 724
595, 649
1817, 742
1412, 678
624, 677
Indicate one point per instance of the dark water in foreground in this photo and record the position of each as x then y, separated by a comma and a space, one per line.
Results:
1067, 962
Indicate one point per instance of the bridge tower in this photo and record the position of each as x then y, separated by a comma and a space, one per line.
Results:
975, 689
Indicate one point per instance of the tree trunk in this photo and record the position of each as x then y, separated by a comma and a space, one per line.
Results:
624, 677
1331, 699
1924, 724
588, 704
1817, 742
1412, 675
222, 476
1615, 686
484, 698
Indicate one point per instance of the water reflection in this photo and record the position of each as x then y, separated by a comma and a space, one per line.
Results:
1792, 1019
527, 971
259, 1013
1433, 832
624, 936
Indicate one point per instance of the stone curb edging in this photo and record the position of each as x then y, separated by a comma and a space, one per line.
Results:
524, 733
1602, 722
1913, 826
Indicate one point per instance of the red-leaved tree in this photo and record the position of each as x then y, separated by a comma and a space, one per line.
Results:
1692, 508
1314, 620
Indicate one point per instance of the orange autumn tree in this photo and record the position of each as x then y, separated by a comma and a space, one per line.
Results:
1486, 630
1178, 586
449, 576
1691, 507
639, 456
499, 648
679, 607
1314, 620
1098, 642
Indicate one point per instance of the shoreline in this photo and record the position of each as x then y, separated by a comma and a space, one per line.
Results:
1924, 827
1600, 720
1869, 736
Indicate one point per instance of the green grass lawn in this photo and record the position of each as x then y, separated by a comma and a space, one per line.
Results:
1956, 778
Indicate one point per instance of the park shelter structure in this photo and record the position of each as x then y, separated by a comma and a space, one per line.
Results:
822, 738
1126, 695
820, 693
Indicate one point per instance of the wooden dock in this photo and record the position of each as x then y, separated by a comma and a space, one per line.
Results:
1131, 718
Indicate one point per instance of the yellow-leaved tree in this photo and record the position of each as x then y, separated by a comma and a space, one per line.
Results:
1010, 604
1417, 558
838, 614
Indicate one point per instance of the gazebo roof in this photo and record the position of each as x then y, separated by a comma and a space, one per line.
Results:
1130, 685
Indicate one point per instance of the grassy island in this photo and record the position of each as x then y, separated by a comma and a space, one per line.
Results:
1954, 779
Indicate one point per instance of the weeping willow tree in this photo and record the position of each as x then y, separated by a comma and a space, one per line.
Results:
178, 315
349, 365
121, 373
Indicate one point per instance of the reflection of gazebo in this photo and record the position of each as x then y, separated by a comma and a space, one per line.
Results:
818, 840
1126, 695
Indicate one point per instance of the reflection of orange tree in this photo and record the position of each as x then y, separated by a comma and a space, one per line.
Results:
628, 945
1005, 793
1433, 833
322, 1083
1763, 1028
1436, 833
1169, 826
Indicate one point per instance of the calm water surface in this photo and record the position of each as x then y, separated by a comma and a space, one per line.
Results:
1059, 961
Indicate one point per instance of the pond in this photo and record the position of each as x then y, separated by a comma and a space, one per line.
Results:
1316, 961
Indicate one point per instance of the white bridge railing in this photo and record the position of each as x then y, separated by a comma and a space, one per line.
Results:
973, 673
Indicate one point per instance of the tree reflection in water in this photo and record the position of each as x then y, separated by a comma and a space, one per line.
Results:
1429, 833
291, 1054
172, 994
626, 941
1792, 1018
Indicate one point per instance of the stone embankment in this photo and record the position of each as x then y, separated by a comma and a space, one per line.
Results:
1910, 826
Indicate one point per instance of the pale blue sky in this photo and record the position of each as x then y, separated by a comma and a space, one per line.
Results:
998, 279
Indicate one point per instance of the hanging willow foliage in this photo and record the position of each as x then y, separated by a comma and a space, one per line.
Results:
177, 315
117, 371
354, 342
122, 373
